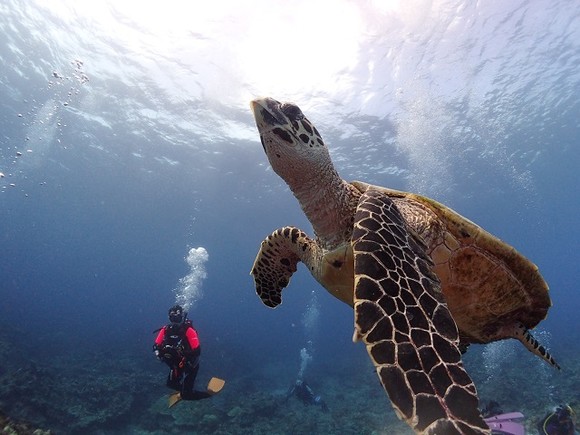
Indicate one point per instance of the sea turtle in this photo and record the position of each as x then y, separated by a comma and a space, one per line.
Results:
424, 281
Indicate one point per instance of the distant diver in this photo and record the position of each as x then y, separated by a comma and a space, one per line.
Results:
177, 345
560, 421
304, 393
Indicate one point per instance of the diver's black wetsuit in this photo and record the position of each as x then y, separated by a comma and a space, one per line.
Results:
558, 422
178, 346
304, 393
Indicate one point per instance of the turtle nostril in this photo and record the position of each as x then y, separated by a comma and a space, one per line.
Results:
292, 111
269, 118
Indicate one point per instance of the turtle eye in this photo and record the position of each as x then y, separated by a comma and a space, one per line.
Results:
292, 111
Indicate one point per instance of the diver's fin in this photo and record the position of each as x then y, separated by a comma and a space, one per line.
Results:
508, 428
510, 423
215, 385
174, 398
508, 416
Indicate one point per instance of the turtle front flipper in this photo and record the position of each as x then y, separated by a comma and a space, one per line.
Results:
276, 261
408, 330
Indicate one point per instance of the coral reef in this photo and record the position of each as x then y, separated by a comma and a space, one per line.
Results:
69, 394
96, 394
10, 427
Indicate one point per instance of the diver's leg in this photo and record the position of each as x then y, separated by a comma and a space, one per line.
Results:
173, 380
189, 379
187, 392
198, 395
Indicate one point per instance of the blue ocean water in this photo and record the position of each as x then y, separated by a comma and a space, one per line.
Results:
133, 176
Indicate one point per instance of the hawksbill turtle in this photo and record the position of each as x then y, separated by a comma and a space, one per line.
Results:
424, 281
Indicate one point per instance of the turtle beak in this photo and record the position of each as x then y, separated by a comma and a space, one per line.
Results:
267, 113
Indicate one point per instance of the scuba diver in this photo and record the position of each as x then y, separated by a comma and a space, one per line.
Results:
177, 345
558, 422
304, 393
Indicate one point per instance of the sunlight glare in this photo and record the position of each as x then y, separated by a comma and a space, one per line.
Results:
284, 50
235, 50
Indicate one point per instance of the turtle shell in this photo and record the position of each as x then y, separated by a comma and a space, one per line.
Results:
488, 286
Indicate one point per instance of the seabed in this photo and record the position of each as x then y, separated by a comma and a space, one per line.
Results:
125, 394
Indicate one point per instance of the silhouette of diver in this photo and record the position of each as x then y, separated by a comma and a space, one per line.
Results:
304, 393
558, 422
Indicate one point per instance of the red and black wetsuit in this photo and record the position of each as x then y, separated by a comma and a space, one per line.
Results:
179, 348
190, 335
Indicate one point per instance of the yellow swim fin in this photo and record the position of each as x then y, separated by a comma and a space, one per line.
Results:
215, 385
174, 398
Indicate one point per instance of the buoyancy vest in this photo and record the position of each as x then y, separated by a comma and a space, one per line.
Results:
175, 344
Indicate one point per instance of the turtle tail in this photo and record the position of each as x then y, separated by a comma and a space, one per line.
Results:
523, 334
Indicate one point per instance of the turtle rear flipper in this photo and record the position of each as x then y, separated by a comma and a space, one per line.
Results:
408, 330
523, 334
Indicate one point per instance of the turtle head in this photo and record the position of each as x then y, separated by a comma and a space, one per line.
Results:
293, 145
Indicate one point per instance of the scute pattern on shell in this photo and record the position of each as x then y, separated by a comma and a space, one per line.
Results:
402, 318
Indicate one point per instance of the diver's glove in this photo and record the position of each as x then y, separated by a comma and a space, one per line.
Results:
157, 354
